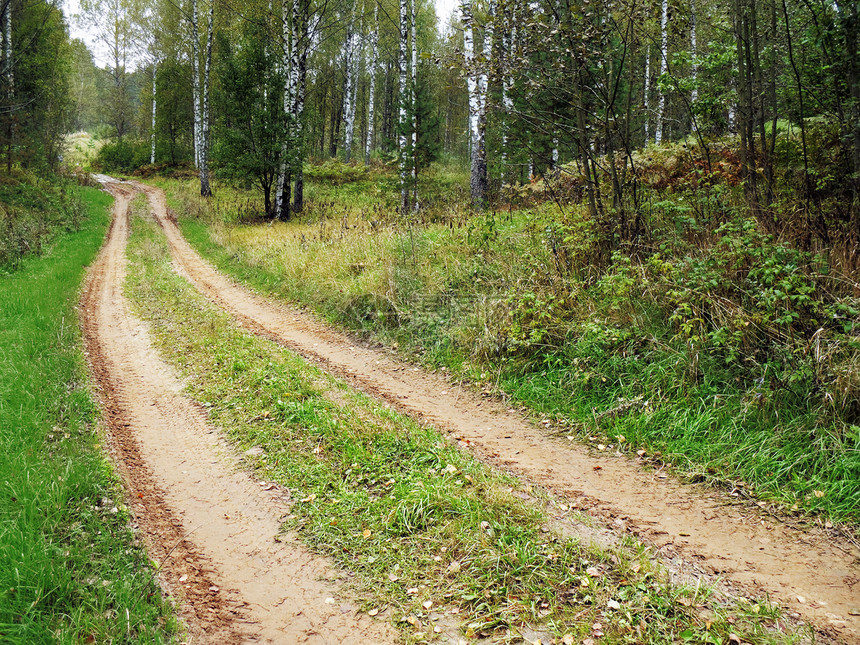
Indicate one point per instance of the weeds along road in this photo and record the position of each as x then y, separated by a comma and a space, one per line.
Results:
208, 524
814, 574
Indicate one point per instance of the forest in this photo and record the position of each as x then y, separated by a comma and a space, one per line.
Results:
631, 227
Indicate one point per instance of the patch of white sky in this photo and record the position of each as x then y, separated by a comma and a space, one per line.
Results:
71, 8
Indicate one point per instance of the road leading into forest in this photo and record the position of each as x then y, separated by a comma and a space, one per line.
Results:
211, 526
813, 572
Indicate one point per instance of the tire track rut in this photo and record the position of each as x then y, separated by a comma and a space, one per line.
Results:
210, 525
812, 572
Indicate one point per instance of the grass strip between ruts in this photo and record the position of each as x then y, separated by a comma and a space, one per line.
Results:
71, 570
432, 534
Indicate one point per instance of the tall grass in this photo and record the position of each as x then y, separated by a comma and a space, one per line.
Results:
71, 570
699, 351
425, 528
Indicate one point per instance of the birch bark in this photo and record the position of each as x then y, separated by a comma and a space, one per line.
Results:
152, 142
195, 78
646, 96
374, 53
414, 119
404, 168
477, 115
303, 44
9, 73
351, 69
694, 94
205, 188
664, 62
288, 27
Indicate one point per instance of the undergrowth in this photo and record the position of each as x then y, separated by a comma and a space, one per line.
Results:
713, 345
34, 211
435, 536
71, 570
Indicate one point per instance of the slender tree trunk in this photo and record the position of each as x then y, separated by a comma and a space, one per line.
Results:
374, 55
195, 78
152, 142
664, 63
646, 99
302, 44
509, 38
694, 72
404, 99
850, 22
9, 73
205, 188
351, 65
477, 114
414, 120
282, 193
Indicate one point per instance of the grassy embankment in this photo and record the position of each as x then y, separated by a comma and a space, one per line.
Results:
713, 346
435, 537
71, 570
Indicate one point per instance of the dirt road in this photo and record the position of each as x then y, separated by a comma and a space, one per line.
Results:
210, 525
813, 573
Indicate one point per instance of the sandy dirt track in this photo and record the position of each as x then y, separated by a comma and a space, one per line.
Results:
813, 573
211, 526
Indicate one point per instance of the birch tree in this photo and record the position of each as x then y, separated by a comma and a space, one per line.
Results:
351, 65
476, 82
414, 108
304, 43
289, 46
114, 25
205, 188
195, 78
152, 130
8, 77
374, 55
664, 62
694, 94
404, 98
646, 94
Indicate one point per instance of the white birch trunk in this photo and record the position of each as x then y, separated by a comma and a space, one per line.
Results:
8, 70
152, 142
374, 53
301, 40
474, 81
694, 95
507, 89
664, 62
402, 142
350, 68
282, 195
646, 96
414, 121
195, 79
205, 188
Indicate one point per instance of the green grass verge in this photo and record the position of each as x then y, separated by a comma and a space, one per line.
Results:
71, 570
479, 296
415, 519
